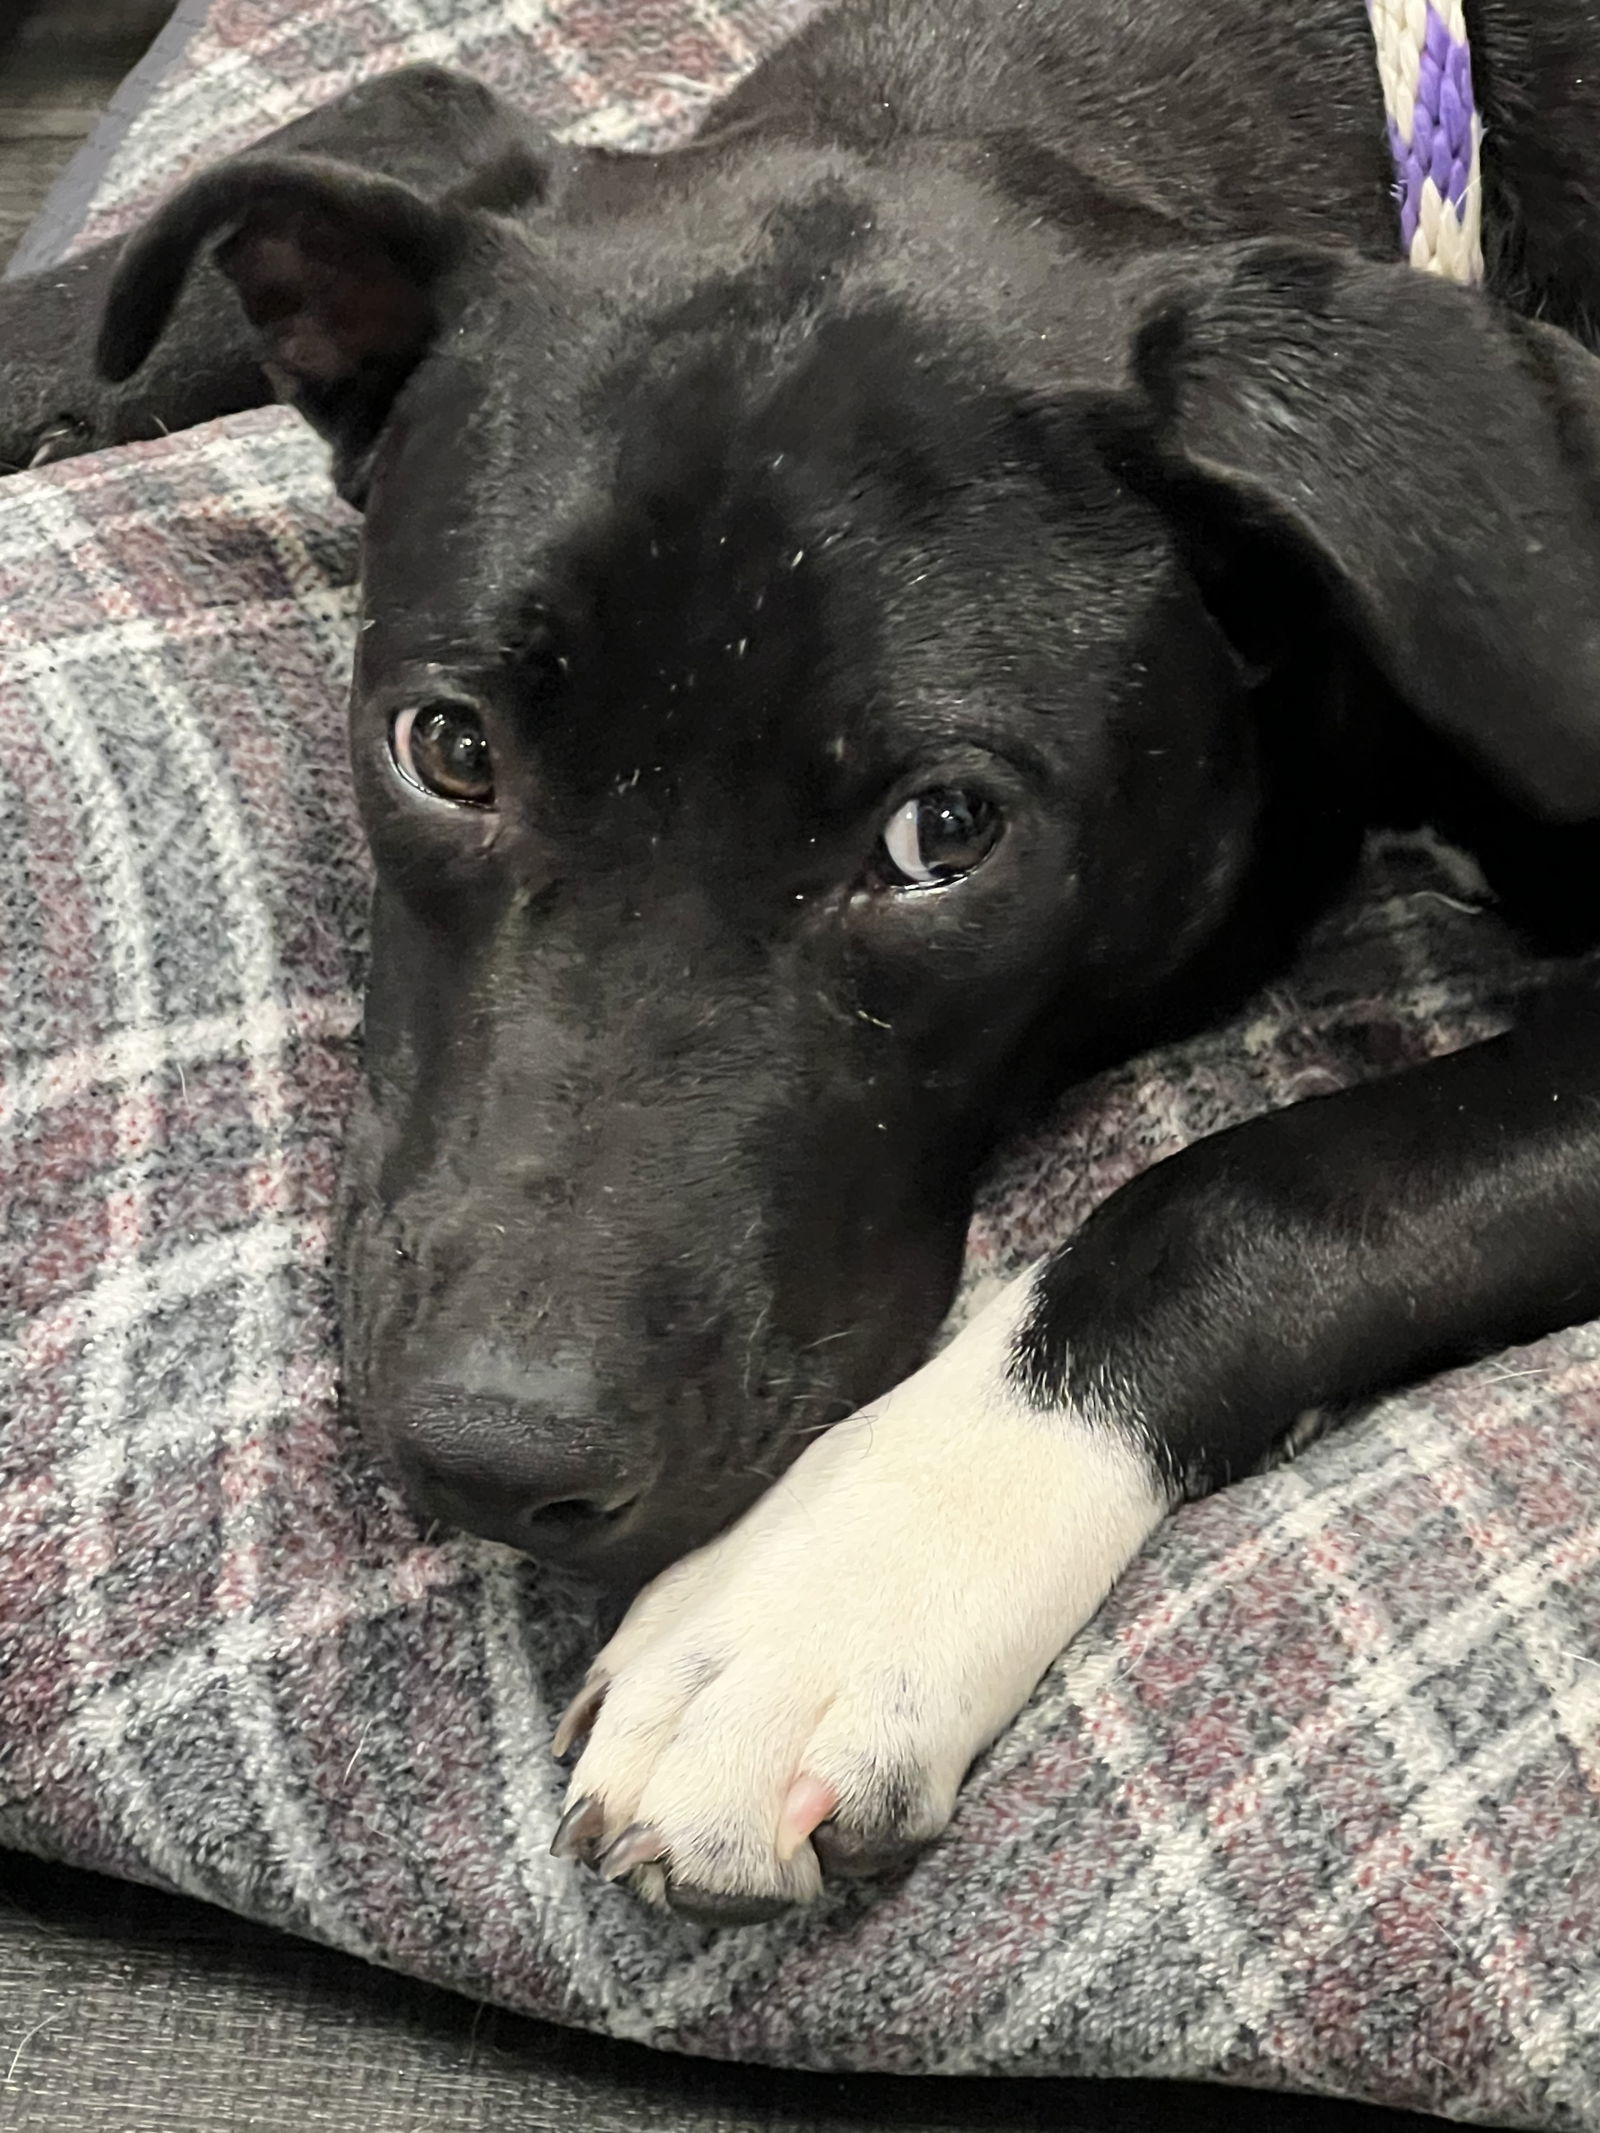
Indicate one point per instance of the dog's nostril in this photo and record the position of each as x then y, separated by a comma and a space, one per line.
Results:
520, 1470
577, 1512
570, 1511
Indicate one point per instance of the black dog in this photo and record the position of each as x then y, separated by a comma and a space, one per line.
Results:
867, 616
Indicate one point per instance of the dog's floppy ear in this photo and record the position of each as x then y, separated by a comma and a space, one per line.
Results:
1433, 459
336, 271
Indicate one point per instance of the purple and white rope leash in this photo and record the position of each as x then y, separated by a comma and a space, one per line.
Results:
1435, 133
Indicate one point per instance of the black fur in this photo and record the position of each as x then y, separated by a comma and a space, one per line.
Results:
1324, 1253
1022, 399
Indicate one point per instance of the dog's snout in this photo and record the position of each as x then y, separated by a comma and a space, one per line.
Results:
535, 1468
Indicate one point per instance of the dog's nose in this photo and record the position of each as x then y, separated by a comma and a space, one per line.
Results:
535, 1468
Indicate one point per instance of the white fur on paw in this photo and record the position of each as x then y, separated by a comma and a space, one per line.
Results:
871, 1624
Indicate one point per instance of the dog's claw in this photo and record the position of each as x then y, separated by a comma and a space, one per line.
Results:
579, 1716
639, 1845
579, 1831
707, 1907
808, 1803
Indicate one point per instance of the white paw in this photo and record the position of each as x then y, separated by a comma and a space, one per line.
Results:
810, 1689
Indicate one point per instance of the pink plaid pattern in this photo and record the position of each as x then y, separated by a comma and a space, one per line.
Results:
634, 72
1312, 1803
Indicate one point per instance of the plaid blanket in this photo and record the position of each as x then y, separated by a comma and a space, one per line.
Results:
1312, 1803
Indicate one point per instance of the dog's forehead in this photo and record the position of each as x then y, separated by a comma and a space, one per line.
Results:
792, 560
682, 513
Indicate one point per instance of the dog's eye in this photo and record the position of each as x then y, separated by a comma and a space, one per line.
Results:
443, 749
936, 837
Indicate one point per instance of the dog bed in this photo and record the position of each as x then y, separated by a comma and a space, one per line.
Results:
1312, 1803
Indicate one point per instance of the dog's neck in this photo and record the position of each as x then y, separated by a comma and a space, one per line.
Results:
1435, 133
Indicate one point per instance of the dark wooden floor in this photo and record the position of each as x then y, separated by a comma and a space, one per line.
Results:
59, 63
125, 2012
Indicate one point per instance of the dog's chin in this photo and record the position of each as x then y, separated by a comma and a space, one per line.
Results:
616, 1554
679, 1488
616, 1551
671, 1464
625, 1560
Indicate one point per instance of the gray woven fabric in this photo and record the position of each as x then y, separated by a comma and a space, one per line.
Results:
1314, 1800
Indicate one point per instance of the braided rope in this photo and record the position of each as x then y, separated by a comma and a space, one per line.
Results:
1435, 133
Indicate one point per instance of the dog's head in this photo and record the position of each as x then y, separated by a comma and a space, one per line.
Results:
806, 700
